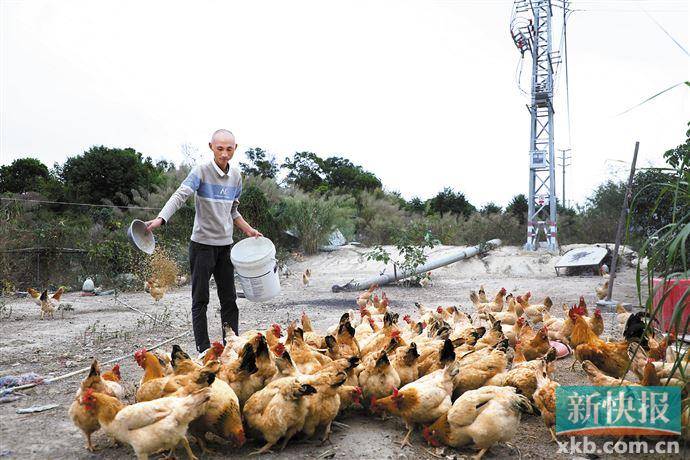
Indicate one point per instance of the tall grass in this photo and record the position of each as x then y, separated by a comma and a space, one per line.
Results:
315, 218
664, 254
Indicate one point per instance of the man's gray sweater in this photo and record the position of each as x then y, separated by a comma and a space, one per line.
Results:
216, 202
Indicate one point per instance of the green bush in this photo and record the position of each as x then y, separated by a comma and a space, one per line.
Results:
410, 243
380, 220
445, 228
256, 210
103, 173
23, 175
110, 257
315, 218
481, 228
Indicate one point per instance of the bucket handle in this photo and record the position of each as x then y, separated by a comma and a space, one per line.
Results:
275, 269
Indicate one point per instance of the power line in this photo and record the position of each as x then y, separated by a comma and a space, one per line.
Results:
666, 32
79, 204
652, 97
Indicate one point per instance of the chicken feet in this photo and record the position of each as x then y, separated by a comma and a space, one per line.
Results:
266, 448
406, 440
188, 448
480, 454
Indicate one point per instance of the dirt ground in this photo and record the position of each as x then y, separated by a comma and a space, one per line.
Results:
103, 328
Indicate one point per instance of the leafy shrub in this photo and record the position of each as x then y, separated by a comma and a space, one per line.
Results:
107, 173
445, 228
380, 219
256, 210
23, 175
479, 229
664, 253
111, 257
315, 218
411, 255
260, 163
518, 208
271, 190
450, 201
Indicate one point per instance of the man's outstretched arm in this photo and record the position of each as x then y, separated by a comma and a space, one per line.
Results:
176, 200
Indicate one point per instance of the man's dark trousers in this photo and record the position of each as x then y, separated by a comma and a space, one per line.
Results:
204, 261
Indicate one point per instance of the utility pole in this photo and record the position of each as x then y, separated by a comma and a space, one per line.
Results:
565, 157
531, 30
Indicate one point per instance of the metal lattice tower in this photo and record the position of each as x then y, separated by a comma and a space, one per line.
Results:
532, 33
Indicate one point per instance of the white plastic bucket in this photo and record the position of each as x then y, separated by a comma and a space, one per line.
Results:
257, 268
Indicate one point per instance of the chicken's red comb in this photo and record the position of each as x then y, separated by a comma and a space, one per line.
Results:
407, 318
519, 299
597, 312
395, 334
650, 361
439, 310
358, 390
139, 356
87, 398
279, 349
116, 370
218, 347
396, 393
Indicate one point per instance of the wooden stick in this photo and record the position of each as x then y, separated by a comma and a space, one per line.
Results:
72, 374
621, 222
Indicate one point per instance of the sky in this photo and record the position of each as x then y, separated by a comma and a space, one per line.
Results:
422, 93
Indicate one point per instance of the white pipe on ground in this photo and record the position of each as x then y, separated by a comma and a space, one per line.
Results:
430, 265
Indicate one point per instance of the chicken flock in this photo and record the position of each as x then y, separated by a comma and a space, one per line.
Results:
461, 379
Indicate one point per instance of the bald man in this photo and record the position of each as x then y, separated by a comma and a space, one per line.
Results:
218, 188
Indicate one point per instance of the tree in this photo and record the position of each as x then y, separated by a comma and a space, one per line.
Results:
311, 173
680, 156
397, 198
415, 205
261, 164
449, 201
518, 207
23, 175
342, 173
305, 170
606, 199
103, 173
653, 208
491, 208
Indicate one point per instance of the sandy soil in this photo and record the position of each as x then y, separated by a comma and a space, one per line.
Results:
101, 327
